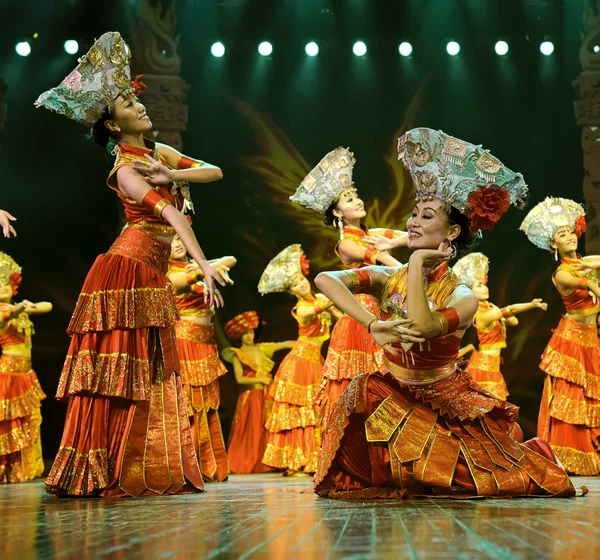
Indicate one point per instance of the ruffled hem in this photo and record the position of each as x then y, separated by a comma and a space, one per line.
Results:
295, 450
21, 395
578, 462
287, 417
198, 354
348, 363
22, 433
557, 364
571, 406
495, 388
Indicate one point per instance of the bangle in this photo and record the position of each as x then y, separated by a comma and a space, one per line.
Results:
507, 312
375, 319
390, 234
318, 310
371, 256
448, 318
155, 202
188, 163
583, 283
361, 279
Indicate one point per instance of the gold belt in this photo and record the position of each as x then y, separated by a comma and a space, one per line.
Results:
162, 230
20, 350
419, 375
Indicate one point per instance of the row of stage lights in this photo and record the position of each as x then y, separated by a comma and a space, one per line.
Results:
312, 49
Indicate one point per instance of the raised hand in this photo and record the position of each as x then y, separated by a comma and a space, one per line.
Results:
210, 277
380, 242
537, 303
430, 258
154, 172
5, 219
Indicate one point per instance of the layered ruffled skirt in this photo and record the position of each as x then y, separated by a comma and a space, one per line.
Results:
127, 430
201, 368
20, 419
351, 351
292, 438
446, 439
570, 411
485, 371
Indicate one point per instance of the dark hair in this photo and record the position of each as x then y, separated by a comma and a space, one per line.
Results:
101, 135
329, 219
466, 239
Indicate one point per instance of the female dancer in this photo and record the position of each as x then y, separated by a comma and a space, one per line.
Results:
127, 431
252, 365
423, 427
329, 190
292, 441
201, 366
490, 322
569, 418
20, 391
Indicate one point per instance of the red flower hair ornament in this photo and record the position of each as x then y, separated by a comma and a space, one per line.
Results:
304, 265
138, 85
486, 205
580, 226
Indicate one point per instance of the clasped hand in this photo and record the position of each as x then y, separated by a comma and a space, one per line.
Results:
386, 333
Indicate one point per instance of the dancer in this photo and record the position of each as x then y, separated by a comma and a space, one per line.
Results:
201, 366
490, 322
127, 432
569, 418
20, 391
329, 190
293, 441
423, 427
252, 365
7, 228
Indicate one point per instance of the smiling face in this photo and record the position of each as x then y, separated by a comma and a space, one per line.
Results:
299, 286
564, 241
428, 226
350, 207
480, 290
6, 292
178, 251
128, 117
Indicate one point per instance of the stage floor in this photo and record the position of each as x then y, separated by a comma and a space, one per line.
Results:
268, 516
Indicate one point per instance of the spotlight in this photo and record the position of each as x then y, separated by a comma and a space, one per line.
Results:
452, 48
217, 49
359, 48
405, 49
265, 48
547, 48
501, 48
71, 46
23, 48
312, 49
596, 48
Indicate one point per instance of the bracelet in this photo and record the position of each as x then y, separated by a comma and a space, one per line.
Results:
370, 323
583, 283
371, 256
188, 163
390, 233
318, 310
507, 312
155, 202
449, 320
361, 279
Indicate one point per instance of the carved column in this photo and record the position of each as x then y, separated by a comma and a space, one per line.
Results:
587, 111
153, 25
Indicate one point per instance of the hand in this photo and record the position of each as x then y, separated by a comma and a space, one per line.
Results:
386, 333
5, 219
210, 276
430, 258
191, 266
380, 242
265, 380
585, 267
154, 172
224, 273
537, 303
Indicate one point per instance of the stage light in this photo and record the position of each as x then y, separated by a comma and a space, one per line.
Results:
217, 49
71, 46
23, 48
547, 48
265, 48
501, 48
359, 48
312, 49
452, 48
405, 49
596, 48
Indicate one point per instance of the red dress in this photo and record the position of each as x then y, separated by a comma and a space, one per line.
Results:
570, 411
248, 437
393, 437
484, 367
352, 350
20, 402
201, 368
127, 431
292, 440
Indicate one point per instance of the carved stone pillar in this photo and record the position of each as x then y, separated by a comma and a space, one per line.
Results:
153, 25
587, 111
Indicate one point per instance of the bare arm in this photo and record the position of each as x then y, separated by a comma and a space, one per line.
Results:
382, 243
288, 344
486, 317
38, 308
238, 371
352, 251
566, 281
206, 173
307, 313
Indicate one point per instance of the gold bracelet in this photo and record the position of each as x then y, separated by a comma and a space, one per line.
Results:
160, 206
441, 318
355, 279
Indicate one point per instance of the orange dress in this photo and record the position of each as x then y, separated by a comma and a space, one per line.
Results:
248, 437
127, 431
292, 439
201, 368
20, 402
570, 411
352, 350
484, 368
424, 428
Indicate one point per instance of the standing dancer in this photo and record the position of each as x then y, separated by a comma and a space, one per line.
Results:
329, 190
490, 322
569, 418
20, 391
201, 366
423, 427
292, 441
252, 365
127, 432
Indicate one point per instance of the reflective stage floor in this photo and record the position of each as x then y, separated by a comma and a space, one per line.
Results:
268, 516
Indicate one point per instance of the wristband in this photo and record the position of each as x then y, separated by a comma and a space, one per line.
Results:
371, 256
188, 163
390, 234
449, 320
361, 279
318, 310
507, 312
583, 283
155, 202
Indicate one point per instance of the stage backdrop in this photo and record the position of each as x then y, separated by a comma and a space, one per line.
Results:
266, 121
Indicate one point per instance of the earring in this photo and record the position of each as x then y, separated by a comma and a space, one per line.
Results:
340, 224
454, 251
555, 255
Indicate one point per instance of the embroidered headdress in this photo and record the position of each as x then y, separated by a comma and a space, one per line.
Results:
10, 272
277, 275
100, 77
472, 268
236, 327
545, 219
461, 175
324, 184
